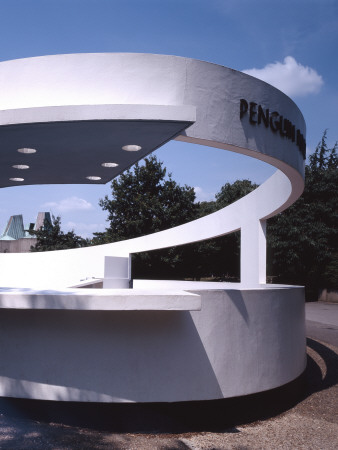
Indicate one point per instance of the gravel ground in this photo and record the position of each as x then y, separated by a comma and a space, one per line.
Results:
311, 424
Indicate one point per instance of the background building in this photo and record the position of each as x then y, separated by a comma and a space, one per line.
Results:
17, 237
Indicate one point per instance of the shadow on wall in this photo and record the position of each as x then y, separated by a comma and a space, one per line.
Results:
236, 297
108, 355
104, 356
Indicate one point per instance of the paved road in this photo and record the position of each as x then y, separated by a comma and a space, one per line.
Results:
322, 322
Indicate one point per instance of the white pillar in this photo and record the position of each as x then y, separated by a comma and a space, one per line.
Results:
253, 253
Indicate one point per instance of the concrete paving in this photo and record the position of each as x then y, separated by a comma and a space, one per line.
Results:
322, 321
326, 313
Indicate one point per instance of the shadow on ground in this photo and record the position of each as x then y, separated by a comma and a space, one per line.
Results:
315, 379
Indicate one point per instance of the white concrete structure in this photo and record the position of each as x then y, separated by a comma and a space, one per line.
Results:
73, 118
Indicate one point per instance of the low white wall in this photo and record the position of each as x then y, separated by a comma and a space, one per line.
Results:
241, 342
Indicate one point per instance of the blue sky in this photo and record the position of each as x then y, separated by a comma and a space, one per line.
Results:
291, 44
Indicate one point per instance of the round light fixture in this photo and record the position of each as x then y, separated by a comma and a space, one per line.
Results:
93, 178
26, 150
20, 166
16, 179
131, 148
109, 164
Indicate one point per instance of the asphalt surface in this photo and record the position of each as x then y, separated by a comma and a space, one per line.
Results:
322, 322
312, 423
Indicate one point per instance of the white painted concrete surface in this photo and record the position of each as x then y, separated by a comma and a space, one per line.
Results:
240, 342
99, 299
75, 345
117, 272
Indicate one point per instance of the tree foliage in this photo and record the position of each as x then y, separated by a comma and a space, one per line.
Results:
145, 201
303, 239
220, 257
51, 237
229, 193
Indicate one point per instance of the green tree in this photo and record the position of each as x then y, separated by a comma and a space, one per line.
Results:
227, 259
231, 192
217, 258
302, 241
145, 200
51, 237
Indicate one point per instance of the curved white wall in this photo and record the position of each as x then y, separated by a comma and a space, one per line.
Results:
247, 337
241, 342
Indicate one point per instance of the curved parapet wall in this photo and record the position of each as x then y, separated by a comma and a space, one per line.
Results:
51, 102
241, 342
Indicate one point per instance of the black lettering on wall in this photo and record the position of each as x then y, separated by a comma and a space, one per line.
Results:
293, 133
263, 116
274, 121
281, 126
253, 112
243, 108
274, 124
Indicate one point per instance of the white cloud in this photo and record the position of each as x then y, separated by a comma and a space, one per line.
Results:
69, 204
202, 196
85, 230
85, 226
290, 77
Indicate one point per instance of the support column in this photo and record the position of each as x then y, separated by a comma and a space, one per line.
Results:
253, 253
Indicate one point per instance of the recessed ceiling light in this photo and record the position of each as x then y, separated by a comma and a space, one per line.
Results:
16, 179
92, 178
131, 148
109, 164
20, 166
26, 150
